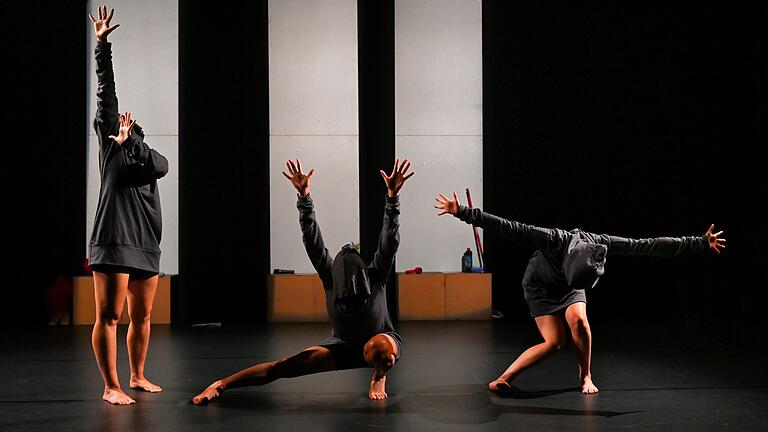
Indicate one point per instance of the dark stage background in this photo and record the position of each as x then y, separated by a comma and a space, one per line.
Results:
638, 120
631, 119
44, 139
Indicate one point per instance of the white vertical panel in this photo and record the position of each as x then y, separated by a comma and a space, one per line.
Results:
145, 54
438, 124
145, 58
313, 67
168, 146
313, 116
443, 164
334, 192
438, 67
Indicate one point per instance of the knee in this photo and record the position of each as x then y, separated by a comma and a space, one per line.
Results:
579, 324
554, 346
107, 318
379, 352
141, 317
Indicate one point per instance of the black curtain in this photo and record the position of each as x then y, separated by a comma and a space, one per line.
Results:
376, 80
224, 163
44, 137
632, 119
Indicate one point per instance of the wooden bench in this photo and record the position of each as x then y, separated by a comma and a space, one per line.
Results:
295, 298
444, 296
426, 296
84, 302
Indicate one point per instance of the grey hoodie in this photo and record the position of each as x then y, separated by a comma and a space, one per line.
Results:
566, 262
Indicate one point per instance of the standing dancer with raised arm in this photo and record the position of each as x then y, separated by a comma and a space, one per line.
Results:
563, 265
124, 251
362, 334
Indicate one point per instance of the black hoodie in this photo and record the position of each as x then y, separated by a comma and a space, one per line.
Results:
128, 222
352, 280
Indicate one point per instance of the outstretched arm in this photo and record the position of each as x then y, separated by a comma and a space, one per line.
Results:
544, 239
106, 121
389, 239
310, 230
667, 246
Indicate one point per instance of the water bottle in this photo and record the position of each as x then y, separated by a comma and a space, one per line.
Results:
466, 261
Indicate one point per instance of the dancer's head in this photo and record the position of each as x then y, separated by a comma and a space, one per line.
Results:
584, 263
137, 129
351, 287
379, 353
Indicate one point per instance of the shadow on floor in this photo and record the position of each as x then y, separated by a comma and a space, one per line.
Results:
451, 404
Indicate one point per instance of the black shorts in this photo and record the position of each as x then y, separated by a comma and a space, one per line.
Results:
349, 355
134, 273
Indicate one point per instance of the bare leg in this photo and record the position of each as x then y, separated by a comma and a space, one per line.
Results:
110, 290
552, 329
576, 315
312, 360
380, 352
141, 295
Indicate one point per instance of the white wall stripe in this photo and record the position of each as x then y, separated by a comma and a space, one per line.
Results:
438, 126
313, 104
146, 60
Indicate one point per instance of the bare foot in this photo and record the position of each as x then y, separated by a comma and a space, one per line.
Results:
212, 392
145, 385
500, 387
587, 386
117, 397
377, 391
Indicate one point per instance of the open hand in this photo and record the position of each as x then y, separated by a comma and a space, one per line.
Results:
298, 179
101, 25
126, 126
397, 178
447, 205
715, 242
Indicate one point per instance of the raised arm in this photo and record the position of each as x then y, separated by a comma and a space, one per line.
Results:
389, 239
666, 246
106, 121
543, 239
310, 231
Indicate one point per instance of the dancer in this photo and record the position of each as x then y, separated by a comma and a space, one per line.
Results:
362, 333
124, 251
564, 264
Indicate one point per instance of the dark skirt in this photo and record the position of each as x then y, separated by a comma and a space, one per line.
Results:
549, 301
545, 287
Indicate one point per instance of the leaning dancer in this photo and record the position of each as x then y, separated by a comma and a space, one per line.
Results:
362, 333
564, 264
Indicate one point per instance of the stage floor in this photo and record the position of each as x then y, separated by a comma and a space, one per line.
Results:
49, 382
